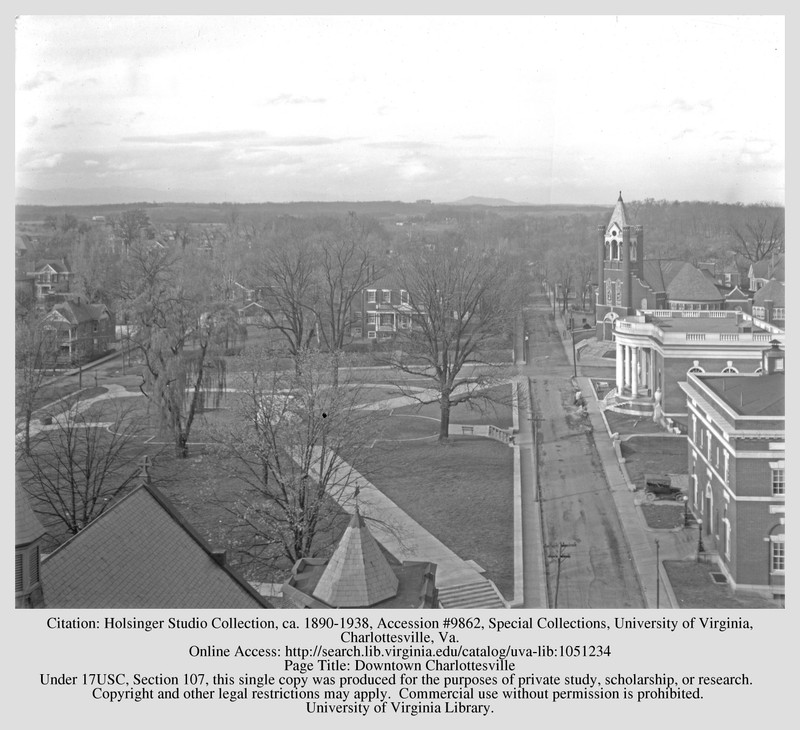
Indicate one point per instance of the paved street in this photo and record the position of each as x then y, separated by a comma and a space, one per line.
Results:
576, 502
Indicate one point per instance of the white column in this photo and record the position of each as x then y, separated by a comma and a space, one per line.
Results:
635, 372
645, 368
626, 372
620, 365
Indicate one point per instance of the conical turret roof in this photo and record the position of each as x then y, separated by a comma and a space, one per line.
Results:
358, 574
619, 216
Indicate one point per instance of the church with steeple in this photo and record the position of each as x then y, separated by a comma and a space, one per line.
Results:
627, 282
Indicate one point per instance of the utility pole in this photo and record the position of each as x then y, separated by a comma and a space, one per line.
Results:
560, 557
658, 581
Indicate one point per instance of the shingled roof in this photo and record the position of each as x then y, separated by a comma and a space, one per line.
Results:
774, 291
358, 573
140, 553
27, 528
681, 281
619, 215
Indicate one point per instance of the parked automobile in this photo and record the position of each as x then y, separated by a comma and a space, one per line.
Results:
659, 486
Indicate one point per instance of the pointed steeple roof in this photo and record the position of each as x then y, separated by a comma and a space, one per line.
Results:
358, 574
619, 216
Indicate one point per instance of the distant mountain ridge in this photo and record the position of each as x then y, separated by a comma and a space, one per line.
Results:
478, 200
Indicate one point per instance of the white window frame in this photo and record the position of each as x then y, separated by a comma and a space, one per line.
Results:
777, 554
759, 312
371, 296
778, 481
403, 296
372, 334
779, 313
386, 296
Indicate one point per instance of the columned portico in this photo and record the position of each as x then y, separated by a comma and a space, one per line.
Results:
635, 371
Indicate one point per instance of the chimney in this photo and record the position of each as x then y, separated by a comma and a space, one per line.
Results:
219, 556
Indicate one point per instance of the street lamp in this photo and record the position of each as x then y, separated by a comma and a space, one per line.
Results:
700, 547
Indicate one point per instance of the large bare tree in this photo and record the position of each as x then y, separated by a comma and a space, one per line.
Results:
760, 236
82, 462
293, 445
36, 347
179, 338
462, 302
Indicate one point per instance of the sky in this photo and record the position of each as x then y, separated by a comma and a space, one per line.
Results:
556, 109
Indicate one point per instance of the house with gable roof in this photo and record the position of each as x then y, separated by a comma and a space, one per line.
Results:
84, 331
140, 553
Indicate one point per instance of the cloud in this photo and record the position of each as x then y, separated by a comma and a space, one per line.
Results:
402, 145
292, 99
91, 163
44, 163
683, 105
241, 136
40, 78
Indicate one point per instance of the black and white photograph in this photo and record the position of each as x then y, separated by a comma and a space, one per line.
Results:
422, 312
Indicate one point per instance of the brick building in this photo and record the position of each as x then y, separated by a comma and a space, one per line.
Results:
380, 311
737, 453
657, 349
627, 281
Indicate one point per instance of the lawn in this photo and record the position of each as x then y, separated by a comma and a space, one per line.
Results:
694, 587
461, 492
654, 455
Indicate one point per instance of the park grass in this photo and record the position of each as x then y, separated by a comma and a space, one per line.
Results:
461, 492
654, 455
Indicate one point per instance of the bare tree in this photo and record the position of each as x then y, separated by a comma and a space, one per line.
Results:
77, 466
179, 341
293, 446
129, 225
287, 270
347, 267
760, 237
460, 302
36, 346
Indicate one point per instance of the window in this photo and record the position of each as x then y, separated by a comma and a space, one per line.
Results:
778, 482
405, 321
608, 292
372, 318
729, 370
387, 296
779, 313
403, 296
727, 466
372, 334
387, 320
759, 312
777, 557
371, 296
619, 294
